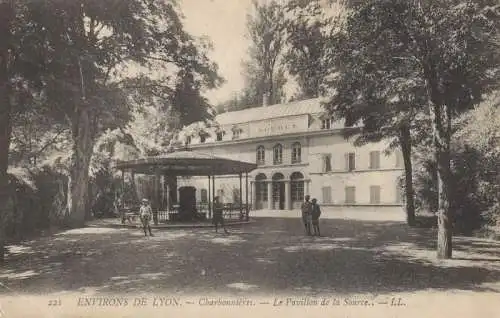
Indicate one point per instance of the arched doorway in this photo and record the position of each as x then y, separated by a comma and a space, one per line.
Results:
278, 191
260, 191
297, 189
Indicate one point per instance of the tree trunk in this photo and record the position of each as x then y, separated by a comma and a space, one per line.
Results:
5, 138
441, 137
6, 18
440, 116
79, 171
405, 142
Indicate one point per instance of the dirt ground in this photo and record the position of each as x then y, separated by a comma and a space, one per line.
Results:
271, 256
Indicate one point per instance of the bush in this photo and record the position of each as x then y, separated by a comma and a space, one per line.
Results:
475, 189
52, 193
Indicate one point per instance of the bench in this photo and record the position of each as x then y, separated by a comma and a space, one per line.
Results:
130, 214
130, 217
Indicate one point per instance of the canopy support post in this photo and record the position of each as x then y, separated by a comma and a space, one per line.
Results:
246, 195
156, 197
123, 182
213, 189
241, 197
209, 198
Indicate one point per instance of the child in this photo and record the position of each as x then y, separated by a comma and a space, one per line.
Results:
316, 212
145, 214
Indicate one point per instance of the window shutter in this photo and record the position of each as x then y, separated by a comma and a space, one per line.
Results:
327, 195
374, 159
350, 195
346, 159
374, 194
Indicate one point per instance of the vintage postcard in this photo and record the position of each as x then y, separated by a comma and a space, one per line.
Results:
252, 158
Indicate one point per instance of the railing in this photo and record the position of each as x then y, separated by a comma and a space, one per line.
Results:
231, 212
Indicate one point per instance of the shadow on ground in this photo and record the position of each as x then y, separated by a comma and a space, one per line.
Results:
268, 256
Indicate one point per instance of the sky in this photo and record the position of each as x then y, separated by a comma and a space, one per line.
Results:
223, 21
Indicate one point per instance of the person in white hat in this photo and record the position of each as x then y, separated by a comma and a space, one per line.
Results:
145, 214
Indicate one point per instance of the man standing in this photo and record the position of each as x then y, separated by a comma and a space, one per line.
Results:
316, 213
145, 213
306, 214
218, 215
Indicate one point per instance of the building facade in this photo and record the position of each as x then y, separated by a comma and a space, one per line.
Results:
298, 151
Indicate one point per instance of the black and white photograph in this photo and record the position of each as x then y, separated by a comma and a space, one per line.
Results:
260, 158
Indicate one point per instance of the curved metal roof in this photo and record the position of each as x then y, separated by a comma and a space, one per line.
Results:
309, 106
186, 163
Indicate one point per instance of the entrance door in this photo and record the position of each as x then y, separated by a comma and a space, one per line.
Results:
278, 195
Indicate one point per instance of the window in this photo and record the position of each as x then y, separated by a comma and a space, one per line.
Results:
204, 195
374, 159
326, 123
188, 140
261, 191
220, 134
297, 189
296, 153
297, 186
236, 195
261, 155
278, 154
236, 132
350, 161
203, 138
375, 194
327, 194
399, 159
220, 194
327, 162
350, 195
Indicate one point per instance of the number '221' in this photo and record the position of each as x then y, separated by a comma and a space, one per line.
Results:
55, 302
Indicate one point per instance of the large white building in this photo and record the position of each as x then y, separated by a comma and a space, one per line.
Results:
298, 151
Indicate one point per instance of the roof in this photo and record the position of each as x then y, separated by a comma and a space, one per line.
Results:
309, 106
187, 163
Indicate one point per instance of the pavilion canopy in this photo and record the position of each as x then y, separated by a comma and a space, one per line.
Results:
186, 163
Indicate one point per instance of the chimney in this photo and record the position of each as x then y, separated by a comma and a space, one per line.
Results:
265, 100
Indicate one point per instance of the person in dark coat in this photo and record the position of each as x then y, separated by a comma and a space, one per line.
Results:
315, 214
306, 209
218, 215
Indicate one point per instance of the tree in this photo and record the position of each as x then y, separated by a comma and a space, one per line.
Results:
465, 37
86, 43
19, 57
447, 47
374, 89
308, 29
263, 74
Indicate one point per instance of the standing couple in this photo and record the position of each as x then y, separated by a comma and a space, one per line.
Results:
310, 215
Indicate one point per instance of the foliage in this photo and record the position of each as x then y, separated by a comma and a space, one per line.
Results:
34, 137
263, 73
400, 58
475, 154
87, 44
84, 75
309, 27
